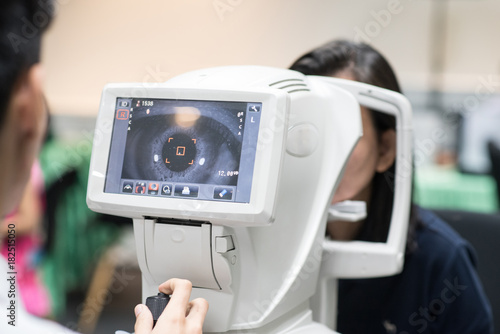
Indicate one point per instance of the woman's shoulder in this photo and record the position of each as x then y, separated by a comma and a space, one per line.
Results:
434, 231
439, 246
445, 264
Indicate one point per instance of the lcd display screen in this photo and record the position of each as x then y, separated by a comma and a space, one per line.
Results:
183, 148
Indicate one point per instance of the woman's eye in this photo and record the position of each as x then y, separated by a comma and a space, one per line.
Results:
163, 149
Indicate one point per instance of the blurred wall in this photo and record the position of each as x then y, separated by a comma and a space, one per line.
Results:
93, 42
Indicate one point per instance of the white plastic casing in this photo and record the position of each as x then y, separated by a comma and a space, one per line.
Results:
360, 259
268, 160
256, 263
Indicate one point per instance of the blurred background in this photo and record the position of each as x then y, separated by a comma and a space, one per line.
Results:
445, 52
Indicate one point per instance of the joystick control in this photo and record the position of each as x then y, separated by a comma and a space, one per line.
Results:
157, 304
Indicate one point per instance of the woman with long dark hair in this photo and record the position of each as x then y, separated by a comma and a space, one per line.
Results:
439, 290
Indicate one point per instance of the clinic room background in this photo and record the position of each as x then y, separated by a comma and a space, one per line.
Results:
446, 55
445, 52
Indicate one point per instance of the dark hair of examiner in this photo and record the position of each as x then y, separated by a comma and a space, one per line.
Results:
22, 23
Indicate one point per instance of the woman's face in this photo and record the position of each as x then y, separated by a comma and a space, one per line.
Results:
361, 166
373, 153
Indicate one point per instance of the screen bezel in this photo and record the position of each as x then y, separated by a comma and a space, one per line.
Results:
268, 157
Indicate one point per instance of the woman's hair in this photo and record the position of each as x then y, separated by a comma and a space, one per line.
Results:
366, 65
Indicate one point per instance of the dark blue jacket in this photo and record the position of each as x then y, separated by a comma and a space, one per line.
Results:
437, 292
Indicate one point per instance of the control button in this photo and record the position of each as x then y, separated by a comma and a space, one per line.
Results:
186, 191
140, 187
302, 140
128, 187
166, 189
122, 114
153, 188
224, 244
225, 193
253, 107
124, 104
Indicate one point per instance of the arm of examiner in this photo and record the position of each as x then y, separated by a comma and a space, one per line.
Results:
181, 316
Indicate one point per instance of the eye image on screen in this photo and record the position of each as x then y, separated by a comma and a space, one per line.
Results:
190, 144
183, 149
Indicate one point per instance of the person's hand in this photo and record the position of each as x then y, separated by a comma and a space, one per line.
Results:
179, 317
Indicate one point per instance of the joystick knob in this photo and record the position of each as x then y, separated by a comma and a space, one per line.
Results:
157, 304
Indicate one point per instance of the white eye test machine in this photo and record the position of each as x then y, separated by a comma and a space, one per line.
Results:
228, 174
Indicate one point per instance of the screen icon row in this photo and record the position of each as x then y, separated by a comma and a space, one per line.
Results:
167, 189
164, 189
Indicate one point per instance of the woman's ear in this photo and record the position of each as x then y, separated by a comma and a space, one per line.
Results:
386, 150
